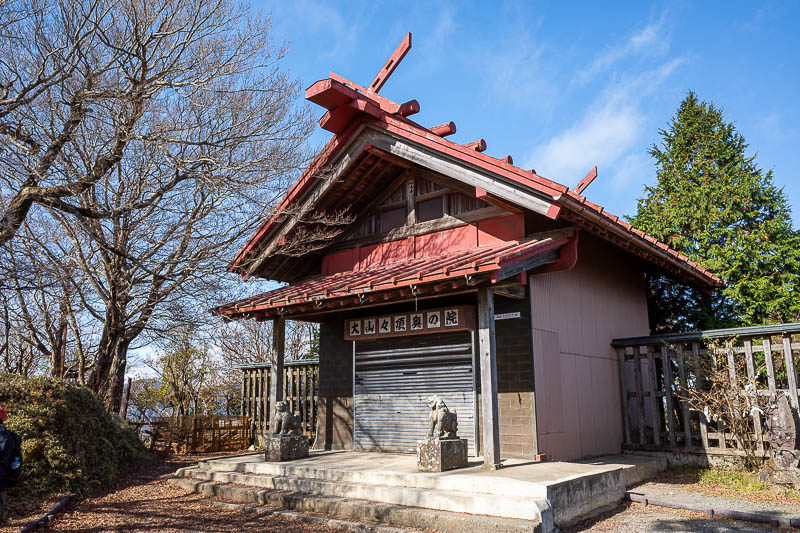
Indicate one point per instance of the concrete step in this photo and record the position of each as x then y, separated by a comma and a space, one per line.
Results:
333, 523
552, 493
522, 507
496, 486
419, 518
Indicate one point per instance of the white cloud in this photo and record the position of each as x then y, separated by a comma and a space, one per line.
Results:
445, 26
630, 169
650, 41
601, 137
607, 135
519, 71
322, 21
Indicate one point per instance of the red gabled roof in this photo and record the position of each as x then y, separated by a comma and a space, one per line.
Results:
494, 262
348, 109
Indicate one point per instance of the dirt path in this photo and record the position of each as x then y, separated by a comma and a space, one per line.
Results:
631, 518
675, 493
145, 502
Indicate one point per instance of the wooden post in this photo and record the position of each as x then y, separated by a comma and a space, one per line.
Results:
700, 384
791, 370
751, 376
770, 363
411, 213
668, 379
687, 426
490, 429
637, 378
257, 393
732, 375
266, 415
626, 423
655, 400
242, 394
276, 368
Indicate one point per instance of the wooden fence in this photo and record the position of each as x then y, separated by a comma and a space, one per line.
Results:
653, 370
203, 434
301, 390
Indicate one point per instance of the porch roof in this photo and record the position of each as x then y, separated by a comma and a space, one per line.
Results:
407, 278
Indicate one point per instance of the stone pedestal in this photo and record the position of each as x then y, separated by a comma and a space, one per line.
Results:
285, 448
438, 455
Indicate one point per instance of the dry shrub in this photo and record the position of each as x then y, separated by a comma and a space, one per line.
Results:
729, 401
70, 443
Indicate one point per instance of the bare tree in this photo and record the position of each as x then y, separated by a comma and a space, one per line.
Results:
85, 83
157, 135
250, 341
39, 302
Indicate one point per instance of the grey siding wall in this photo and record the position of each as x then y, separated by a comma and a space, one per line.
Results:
575, 314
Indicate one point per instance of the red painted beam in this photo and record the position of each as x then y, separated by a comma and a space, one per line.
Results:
481, 194
478, 146
337, 90
390, 66
409, 108
443, 130
567, 258
336, 120
589, 178
330, 93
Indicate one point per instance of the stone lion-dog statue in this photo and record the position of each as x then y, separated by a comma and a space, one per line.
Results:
443, 421
286, 423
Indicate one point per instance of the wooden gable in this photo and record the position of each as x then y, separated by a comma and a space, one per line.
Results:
422, 203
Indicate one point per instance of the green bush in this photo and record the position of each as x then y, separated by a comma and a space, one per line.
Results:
70, 443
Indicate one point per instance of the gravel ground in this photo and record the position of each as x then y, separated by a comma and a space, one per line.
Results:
145, 502
631, 518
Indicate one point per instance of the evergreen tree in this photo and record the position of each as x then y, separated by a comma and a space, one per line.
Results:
714, 204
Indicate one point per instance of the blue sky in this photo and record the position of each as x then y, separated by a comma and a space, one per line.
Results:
563, 87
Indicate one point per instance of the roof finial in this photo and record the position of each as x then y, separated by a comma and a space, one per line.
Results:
443, 130
387, 70
478, 146
589, 178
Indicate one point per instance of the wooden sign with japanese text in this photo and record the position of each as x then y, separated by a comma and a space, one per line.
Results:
457, 318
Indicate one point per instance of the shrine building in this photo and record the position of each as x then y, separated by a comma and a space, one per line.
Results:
435, 268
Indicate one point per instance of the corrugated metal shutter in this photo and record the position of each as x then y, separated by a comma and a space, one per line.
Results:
395, 377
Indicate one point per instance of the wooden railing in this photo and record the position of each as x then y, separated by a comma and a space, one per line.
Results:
656, 371
301, 382
204, 434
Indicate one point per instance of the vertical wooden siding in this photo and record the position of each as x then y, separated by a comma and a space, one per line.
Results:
301, 382
575, 315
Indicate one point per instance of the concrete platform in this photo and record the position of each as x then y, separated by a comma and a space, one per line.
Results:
550, 494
